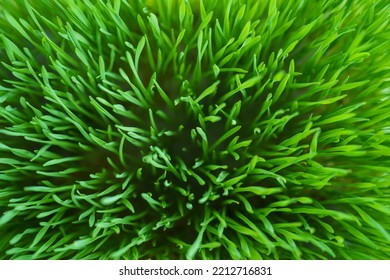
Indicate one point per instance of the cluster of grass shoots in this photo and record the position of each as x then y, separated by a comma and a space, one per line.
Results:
190, 129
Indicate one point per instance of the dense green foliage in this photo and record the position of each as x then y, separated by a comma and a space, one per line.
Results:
221, 129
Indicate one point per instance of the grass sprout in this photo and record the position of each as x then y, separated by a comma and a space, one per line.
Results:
191, 129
